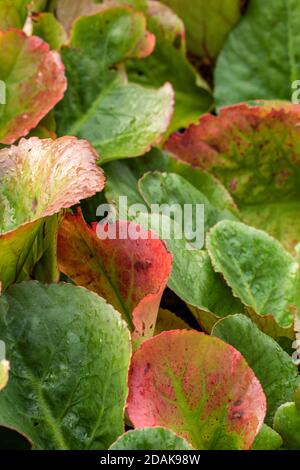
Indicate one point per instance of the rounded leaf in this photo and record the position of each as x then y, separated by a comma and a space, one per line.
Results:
199, 387
150, 439
69, 355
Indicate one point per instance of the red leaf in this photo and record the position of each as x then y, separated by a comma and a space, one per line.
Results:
129, 274
34, 79
199, 387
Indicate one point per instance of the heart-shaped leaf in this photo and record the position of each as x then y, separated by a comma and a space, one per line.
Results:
254, 151
207, 24
260, 272
100, 105
269, 35
271, 364
33, 82
131, 274
150, 439
168, 62
199, 387
69, 353
49, 176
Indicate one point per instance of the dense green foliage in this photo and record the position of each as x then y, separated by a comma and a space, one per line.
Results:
149, 224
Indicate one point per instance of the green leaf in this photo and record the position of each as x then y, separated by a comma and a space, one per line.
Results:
253, 150
287, 424
27, 68
178, 194
50, 175
13, 14
168, 62
46, 26
100, 105
259, 271
150, 439
267, 439
270, 62
123, 176
197, 386
272, 365
130, 273
69, 354
207, 23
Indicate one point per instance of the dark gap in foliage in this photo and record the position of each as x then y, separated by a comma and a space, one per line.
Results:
12, 440
172, 302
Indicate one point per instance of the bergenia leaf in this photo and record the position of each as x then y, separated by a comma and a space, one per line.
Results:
169, 188
100, 105
261, 171
122, 178
207, 24
272, 366
49, 176
267, 439
130, 274
287, 424
199, 387
209, 298
46, 26
34, 82
150, 439
168, 62
260, 272
69, 354
13, 14
267, 68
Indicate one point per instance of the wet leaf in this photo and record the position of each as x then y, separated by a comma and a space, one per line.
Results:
257, 268
254, 151
33, 82
100, 105
69, 354
269, 63
50, 175
271, 364
168, 62
199, 387
150, 439
131, 274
